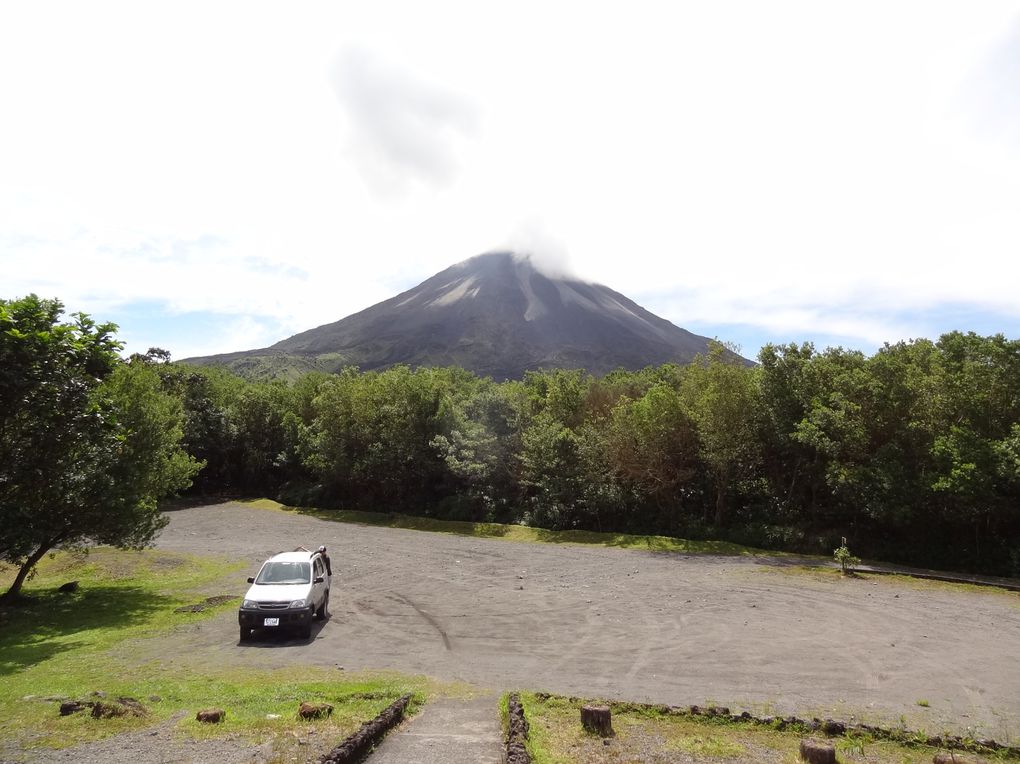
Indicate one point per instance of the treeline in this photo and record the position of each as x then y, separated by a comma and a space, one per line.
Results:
913, 453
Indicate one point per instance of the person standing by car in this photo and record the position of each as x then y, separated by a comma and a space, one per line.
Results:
325, 559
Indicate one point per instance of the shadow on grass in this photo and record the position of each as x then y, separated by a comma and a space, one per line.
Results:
779, 560
407, 522
649, 543
528, 533
36, 628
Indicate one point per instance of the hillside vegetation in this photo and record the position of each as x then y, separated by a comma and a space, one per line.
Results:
913, 454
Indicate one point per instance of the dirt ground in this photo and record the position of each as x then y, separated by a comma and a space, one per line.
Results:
622, 624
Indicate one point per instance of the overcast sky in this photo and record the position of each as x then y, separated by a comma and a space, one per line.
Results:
219, 176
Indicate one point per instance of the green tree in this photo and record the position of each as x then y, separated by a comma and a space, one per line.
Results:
482, 451
721, 396
371, 437
652, 443
87, 444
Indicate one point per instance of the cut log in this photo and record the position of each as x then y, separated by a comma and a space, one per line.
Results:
315, 710
211, 715
817, 752
597, 719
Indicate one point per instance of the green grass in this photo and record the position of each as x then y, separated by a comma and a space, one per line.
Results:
70, 645
830, 574
556, 737
517, 532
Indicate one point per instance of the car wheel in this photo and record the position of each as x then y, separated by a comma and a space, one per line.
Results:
321, 612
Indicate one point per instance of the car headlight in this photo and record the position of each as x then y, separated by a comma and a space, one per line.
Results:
299, 603
250, 605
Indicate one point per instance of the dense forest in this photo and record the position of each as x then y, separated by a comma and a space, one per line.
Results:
913, 453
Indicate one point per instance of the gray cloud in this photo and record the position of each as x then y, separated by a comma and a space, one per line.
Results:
402, 128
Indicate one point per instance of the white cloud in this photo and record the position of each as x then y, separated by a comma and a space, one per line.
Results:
401, 128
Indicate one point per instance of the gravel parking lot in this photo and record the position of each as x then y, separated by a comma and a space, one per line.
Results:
625, 624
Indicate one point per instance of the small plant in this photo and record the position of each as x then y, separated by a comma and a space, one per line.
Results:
923, 703
847, 562
852, 745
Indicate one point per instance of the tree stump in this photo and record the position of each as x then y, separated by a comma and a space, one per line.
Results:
597, 719
817, 752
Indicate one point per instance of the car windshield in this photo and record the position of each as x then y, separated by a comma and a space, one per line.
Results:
285, 573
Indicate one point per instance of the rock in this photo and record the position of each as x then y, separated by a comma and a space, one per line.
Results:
315, 710
949, 757
70, 586
718, 711
833, 728
133, 706
211, 715
354, 747
817, 752
517, 732
102, 710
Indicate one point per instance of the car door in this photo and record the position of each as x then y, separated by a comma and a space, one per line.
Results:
318, 590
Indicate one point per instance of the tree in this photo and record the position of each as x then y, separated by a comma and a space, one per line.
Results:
721, 396
87, 443
371, 438
652, 442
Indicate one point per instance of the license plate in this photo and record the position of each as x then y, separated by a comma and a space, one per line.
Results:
271, 622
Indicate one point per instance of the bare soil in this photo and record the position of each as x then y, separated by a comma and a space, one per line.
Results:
625, 624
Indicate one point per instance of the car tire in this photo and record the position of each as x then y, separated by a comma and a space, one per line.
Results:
322, 612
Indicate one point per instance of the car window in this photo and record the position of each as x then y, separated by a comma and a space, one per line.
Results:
284, 573
318, 567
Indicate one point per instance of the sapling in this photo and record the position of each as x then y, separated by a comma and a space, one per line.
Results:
847, 562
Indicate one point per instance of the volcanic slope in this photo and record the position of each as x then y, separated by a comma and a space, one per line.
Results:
496, 315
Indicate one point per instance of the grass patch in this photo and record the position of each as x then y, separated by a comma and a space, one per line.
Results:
648, 734
517, 532
70, 645
831, 574
122, 595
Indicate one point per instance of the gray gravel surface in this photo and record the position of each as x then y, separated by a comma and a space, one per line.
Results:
621, 624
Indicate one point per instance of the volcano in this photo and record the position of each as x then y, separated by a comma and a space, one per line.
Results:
496, 315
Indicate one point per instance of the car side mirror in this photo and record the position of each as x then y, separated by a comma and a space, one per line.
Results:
251, 579
319, 579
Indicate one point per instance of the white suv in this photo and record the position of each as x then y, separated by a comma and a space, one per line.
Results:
290, 589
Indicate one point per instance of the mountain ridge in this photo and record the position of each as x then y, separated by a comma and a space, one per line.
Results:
495, 314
